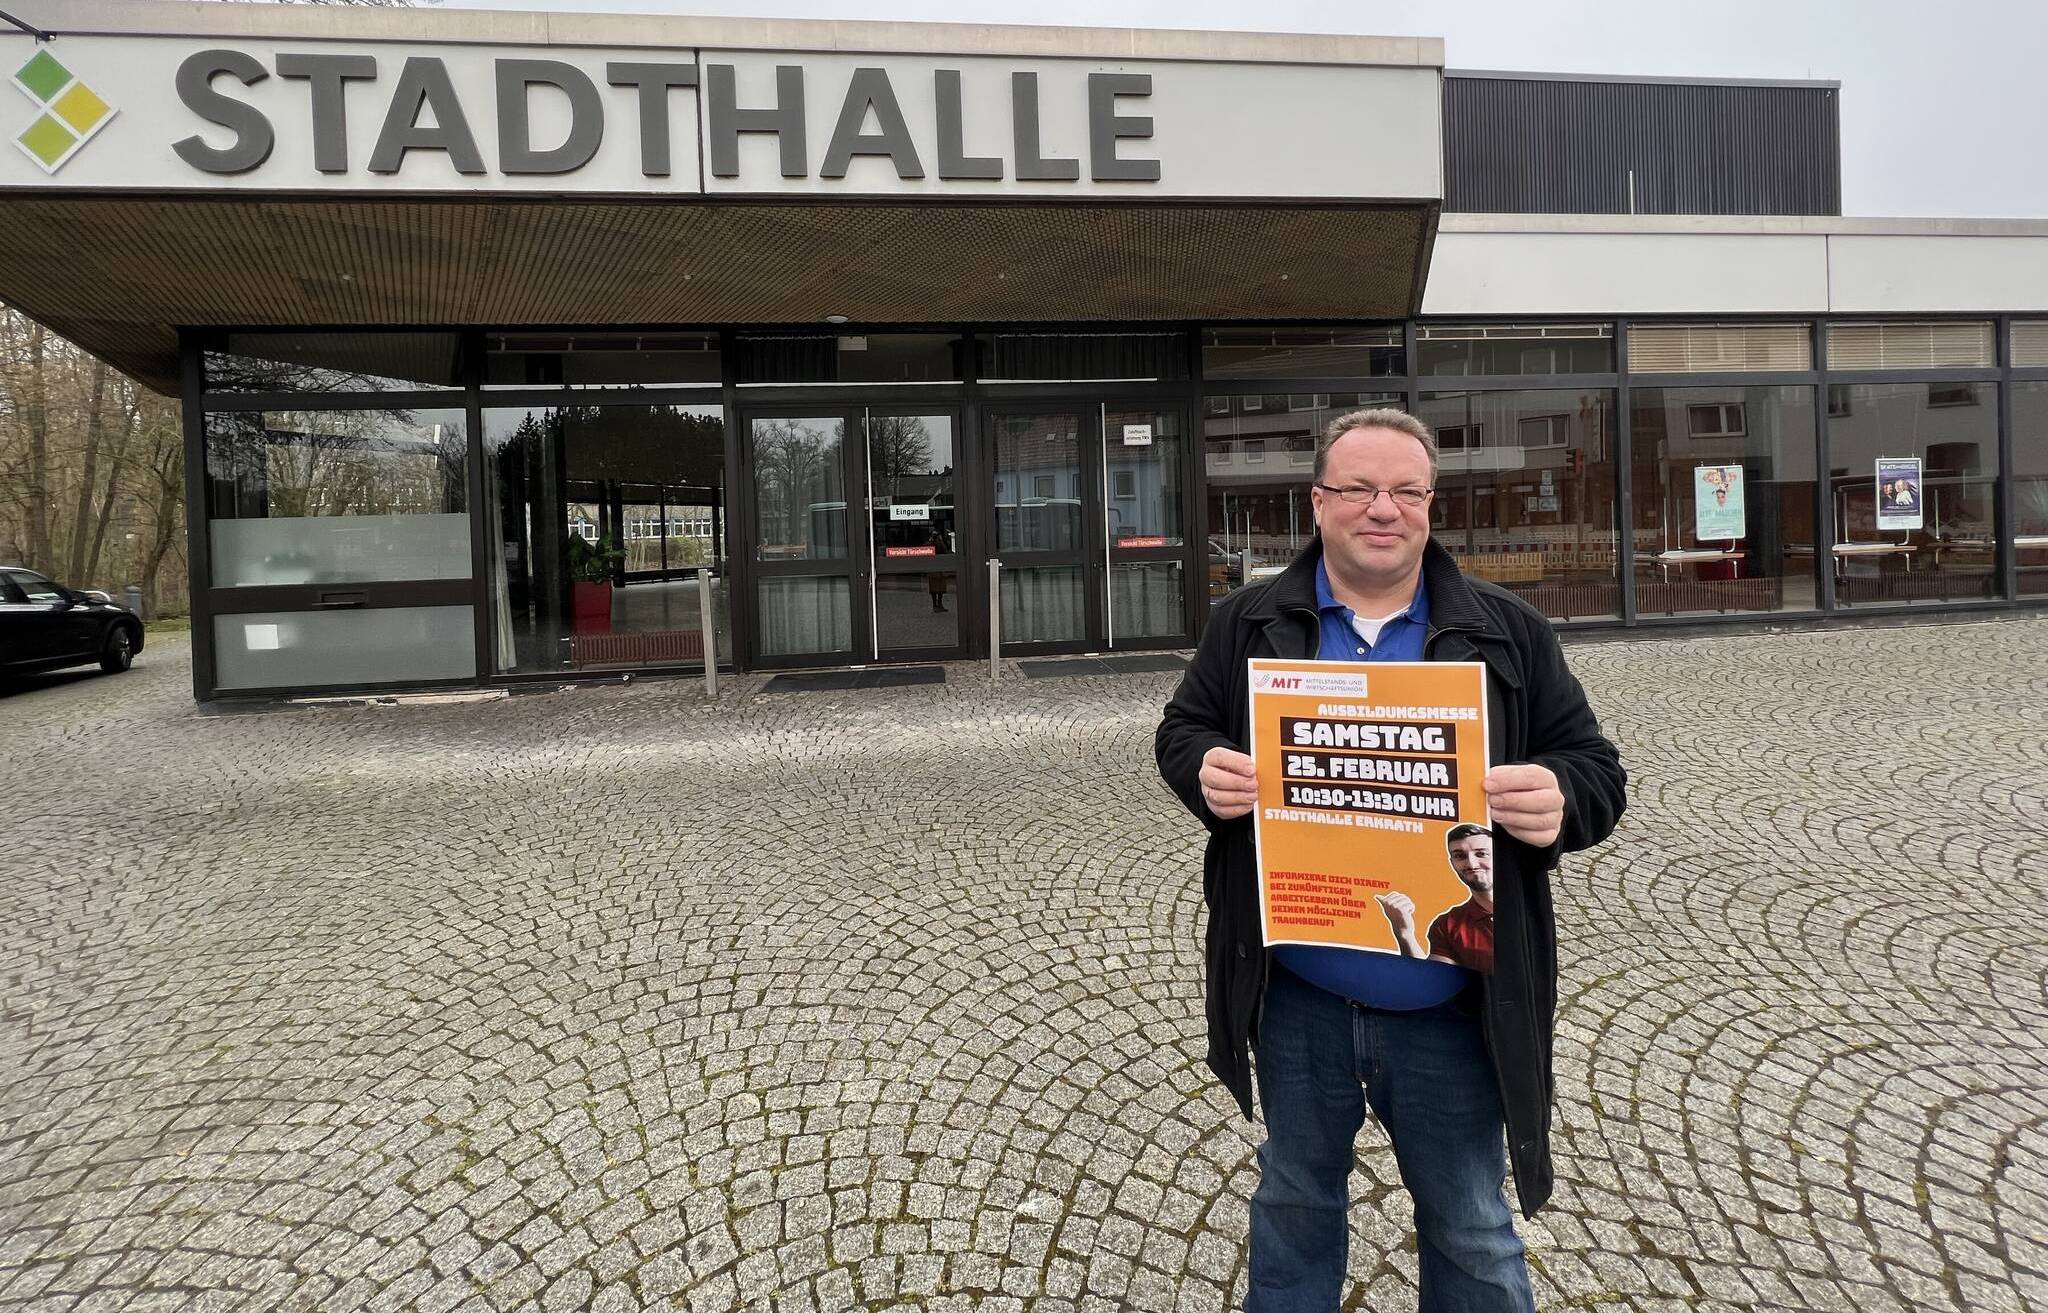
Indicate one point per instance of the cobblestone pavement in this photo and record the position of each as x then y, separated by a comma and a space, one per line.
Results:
608, 998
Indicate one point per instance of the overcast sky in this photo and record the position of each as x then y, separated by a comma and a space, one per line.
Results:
1942, 105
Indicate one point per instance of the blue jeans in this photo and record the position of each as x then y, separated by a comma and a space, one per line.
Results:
1429, 1081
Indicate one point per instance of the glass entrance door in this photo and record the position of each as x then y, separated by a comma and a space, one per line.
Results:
604, 521
913, 536
854, 536
1089, 515
1145, 478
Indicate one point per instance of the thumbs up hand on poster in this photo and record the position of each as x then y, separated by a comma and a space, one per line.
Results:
1526, 802
1400, 910
1230, 785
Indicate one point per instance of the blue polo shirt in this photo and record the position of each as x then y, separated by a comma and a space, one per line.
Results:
1381, 980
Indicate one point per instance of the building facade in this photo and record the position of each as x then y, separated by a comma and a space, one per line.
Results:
520, 346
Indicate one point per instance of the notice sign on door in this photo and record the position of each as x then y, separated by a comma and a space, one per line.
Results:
1372, 827
918, 511
1137, 435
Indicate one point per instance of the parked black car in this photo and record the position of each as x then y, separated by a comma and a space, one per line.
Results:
46, 626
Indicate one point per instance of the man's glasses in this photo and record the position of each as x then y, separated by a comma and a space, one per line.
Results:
1364, 494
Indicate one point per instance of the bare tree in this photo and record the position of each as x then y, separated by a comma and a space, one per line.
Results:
157, 457
95, 431
899, 447
91, 465
131, 409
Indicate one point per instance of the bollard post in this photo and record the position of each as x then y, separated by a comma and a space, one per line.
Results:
710, 629
995, 620
134, 593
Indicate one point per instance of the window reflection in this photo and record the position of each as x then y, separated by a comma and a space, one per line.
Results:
799, 488
1723, 490
1037, 482
1143, 462
1932, 541
334, 362
1525, 496
910, 485
1260, 452
336, 496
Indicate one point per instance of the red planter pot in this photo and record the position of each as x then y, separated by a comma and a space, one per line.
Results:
591, 608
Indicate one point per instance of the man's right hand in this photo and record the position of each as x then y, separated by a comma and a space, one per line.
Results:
1230, 787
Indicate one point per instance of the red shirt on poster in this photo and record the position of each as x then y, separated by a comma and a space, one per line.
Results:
1465, 935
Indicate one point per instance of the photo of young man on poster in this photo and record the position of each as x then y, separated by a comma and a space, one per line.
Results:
1464, 934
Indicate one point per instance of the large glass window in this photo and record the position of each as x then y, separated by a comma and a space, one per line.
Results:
334, 362
597, 360
1526, 491
799, 489
1475, 349
2030, 485
911, 501
1912, 490
602, 520
1037, 484
1142, 459
1260, 451
336, 496
1332, 353
1724, 497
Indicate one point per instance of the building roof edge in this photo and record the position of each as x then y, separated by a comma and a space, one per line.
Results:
1740, 225
210, 18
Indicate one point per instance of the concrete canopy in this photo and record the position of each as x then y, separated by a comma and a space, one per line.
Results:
120, 275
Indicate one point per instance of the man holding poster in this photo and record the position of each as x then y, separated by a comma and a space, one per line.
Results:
1339, 1013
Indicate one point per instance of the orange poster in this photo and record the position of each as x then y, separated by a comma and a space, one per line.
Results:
1372, 825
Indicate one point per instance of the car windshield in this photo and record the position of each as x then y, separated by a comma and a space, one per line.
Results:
38, 588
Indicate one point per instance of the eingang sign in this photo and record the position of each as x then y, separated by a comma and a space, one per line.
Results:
381, 116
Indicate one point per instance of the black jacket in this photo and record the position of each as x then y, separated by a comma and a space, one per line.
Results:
1537, 712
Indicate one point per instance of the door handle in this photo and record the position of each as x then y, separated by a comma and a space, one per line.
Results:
339, 601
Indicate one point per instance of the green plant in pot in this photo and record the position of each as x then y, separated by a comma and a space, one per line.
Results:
591, 567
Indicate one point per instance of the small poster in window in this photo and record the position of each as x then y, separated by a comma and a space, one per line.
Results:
1717, 502
1898, 492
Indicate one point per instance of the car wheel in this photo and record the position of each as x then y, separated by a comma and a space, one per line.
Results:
119, 653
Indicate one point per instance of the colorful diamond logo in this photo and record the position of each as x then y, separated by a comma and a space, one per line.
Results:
69, 112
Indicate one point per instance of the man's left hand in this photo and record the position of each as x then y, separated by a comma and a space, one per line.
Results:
1526, 802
